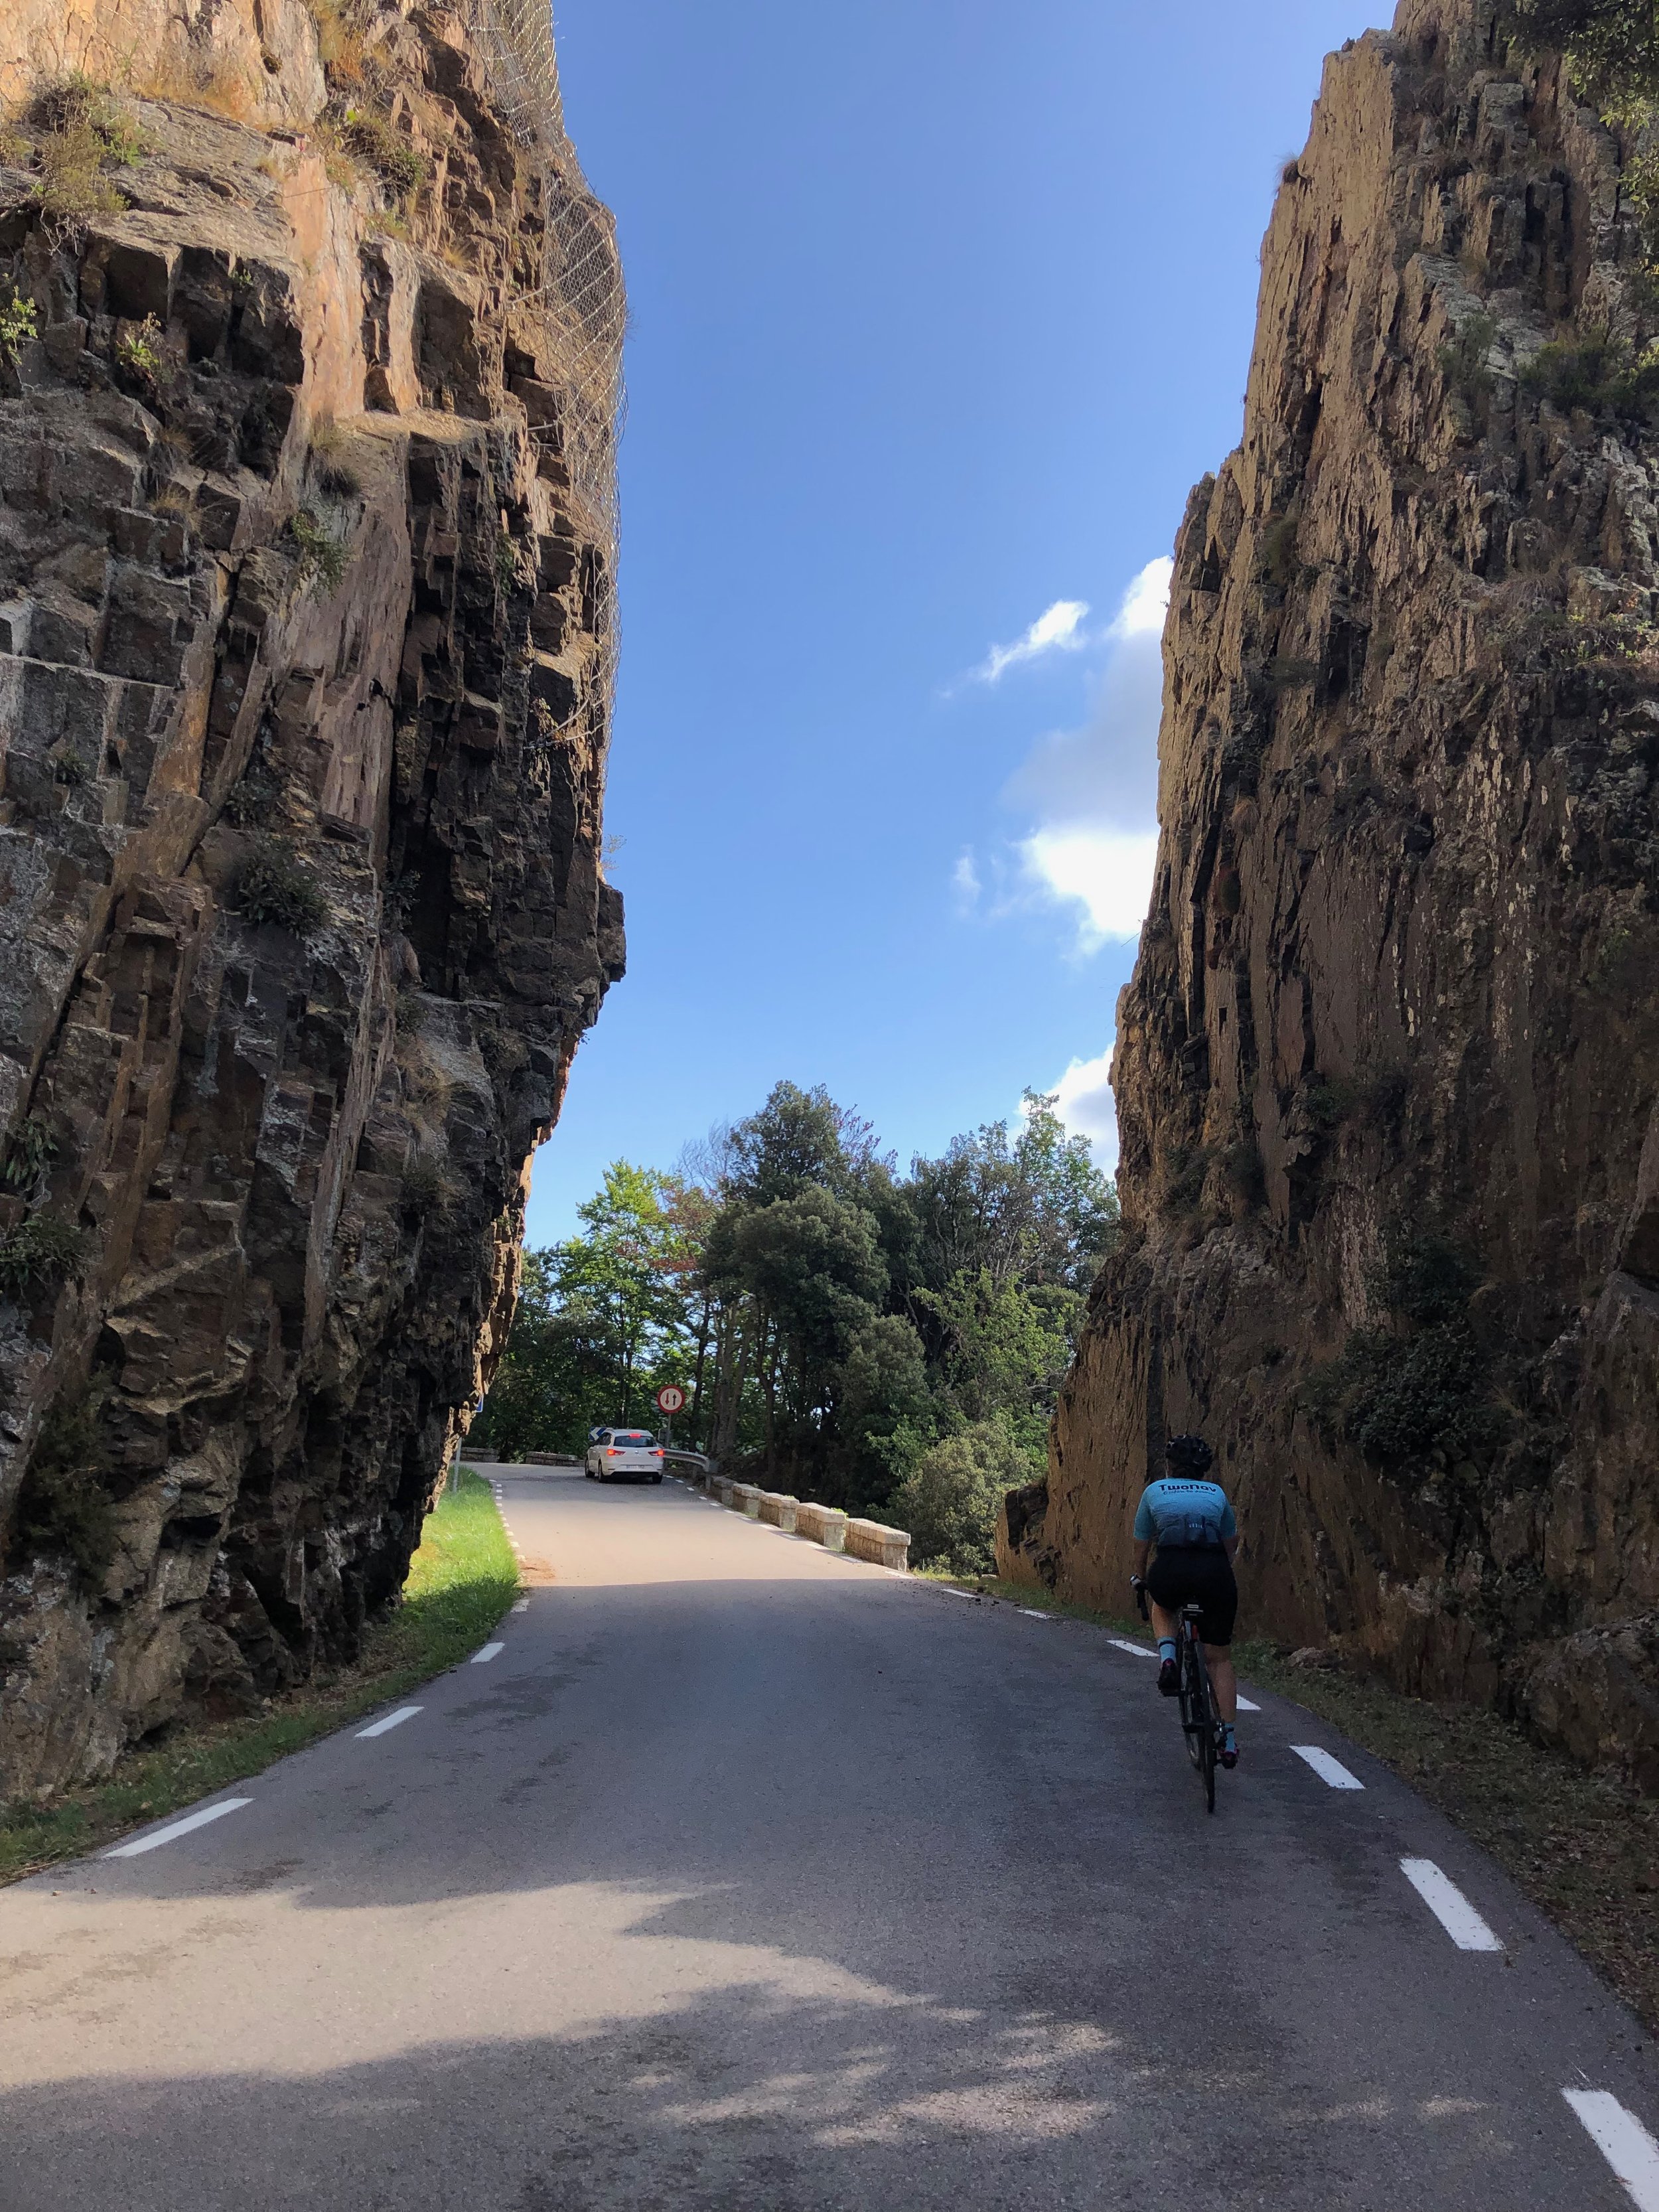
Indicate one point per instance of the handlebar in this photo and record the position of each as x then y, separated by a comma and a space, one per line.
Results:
1139, 1589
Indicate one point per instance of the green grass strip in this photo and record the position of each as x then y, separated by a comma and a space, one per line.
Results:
461, 1580
1583, 1847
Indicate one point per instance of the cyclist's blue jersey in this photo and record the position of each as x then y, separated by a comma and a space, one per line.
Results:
1178, 1510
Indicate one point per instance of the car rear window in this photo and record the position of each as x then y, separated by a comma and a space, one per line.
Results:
634, 1436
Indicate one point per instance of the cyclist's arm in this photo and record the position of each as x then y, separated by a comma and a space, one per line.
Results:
1142, 1547
1230, 1546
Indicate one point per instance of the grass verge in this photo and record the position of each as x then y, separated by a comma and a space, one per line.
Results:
461, 1580
1584, 1850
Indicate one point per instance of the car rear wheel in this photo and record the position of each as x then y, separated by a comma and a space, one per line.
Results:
653, 1477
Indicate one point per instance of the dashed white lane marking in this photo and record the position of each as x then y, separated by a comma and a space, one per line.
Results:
1245, 1705
490, 1651
179, 1828
1449, 1907
1139, 1651
1622, 2140
392, 1720
949, 1592
1327, 1768
1031, 1614
523, 1606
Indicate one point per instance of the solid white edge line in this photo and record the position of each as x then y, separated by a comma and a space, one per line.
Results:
1329, 1770
392, 1720
1622, 2140
179, 1828
490, 1651
1245, 1706
1138, 1650
1449, 1907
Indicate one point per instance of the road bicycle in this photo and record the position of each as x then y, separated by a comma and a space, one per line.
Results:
1200, 1722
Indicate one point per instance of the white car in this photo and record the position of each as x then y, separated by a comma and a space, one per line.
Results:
615, 1454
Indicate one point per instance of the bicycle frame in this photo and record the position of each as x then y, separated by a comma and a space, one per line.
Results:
1199, 1722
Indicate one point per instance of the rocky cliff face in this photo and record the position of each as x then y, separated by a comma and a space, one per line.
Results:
305, 608
1387, 1068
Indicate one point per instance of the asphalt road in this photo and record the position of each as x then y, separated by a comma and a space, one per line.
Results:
746, 1879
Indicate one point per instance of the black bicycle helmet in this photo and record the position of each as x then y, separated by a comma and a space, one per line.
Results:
1189, 1456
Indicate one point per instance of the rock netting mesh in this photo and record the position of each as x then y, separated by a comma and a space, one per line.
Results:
581, 300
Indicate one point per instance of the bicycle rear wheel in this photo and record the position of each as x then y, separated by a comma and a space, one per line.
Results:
1191, 1691
1205, 1702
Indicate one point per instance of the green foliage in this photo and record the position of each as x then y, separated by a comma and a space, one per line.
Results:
382, 148
273, 886
43, 1249
1463, 357
426, 1189
1279, 555
139, 352
1181, 1185
512, 567
63, 1509
1007, 1347
1595, 373
30, 1151
1328, 1100
17, 327
950, 1500
253, 797
322, 552
1611, 46
601, 1321
829, 1320
1416, 1394
81, 132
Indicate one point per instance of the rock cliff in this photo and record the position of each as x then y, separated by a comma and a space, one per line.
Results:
1387, 1067
309, 343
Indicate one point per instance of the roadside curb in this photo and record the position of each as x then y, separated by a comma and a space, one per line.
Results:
872, 1541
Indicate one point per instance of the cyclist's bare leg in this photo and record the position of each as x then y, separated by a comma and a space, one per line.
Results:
1224, 1680
1164, 1625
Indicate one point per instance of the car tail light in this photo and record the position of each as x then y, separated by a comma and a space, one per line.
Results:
610, 1451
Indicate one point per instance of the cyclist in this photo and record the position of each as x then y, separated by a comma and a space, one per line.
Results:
1192, 1523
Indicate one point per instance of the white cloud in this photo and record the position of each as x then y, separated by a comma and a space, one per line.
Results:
1056, 630
1084, 1103
1107, 872
964, 880
1090, 794
1146, 602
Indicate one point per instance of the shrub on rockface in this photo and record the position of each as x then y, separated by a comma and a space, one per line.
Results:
1416, 1391
272, 885
64, 1510
950, 1500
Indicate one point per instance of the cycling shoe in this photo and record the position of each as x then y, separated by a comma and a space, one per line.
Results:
1229, 1756
1168, 1677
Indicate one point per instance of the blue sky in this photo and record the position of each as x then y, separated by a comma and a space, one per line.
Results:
939, 309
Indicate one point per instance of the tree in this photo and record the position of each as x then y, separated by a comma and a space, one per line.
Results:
600, 1320
832, 1322
1006, 1348
951, 1500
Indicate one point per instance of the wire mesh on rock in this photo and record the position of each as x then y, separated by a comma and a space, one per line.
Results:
580, 301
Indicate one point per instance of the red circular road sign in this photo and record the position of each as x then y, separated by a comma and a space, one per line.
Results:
670, 1398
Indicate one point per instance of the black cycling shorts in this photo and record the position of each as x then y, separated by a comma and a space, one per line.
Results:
1196, 1575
